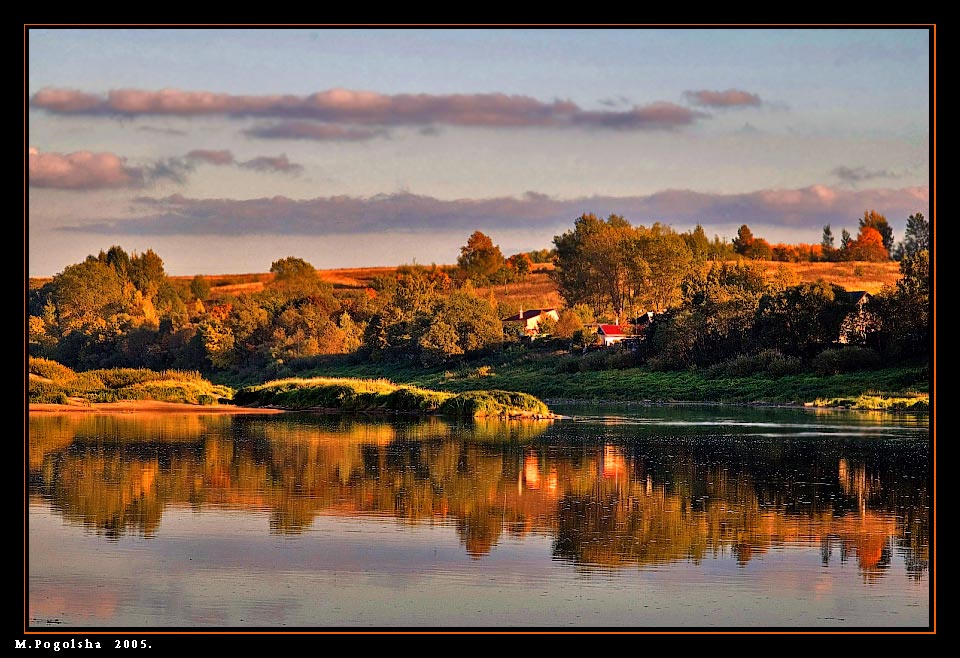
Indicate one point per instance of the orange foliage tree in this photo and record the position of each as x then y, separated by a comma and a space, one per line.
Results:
868, 246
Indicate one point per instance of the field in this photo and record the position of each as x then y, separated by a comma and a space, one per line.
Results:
539, 291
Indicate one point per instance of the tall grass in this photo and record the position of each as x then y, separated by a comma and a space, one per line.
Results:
53, 382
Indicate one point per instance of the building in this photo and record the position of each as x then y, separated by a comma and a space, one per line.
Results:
611, 334
530, 320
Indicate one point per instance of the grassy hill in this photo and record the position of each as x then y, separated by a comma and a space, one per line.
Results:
538, 289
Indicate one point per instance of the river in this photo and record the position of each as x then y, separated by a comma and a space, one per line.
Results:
616, 517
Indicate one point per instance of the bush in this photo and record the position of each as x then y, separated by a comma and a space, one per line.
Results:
770, 362
50, 369
491, 403
845, 359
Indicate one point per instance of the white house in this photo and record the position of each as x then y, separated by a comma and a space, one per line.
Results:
530, 320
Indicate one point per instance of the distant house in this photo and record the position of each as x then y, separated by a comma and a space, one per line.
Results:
530, 320
642, 322
855, 325
611, 334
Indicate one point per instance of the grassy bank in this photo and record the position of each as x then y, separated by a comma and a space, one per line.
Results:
546, 376
373, 395
51, 382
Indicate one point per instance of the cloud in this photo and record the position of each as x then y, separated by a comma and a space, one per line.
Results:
654, 116
278, 163
324, 132
859, 174
162, 131
212, 157
173, 169
364, 108
82, 170
723, 99
809, 207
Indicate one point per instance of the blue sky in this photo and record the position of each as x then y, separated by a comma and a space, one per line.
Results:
364, 147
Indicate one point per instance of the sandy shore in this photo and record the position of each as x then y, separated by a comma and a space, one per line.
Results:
147, 406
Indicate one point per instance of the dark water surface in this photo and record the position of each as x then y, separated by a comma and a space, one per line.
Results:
639, 517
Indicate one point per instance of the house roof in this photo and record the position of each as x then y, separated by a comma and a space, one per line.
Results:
527, 315
611, 330
855, 296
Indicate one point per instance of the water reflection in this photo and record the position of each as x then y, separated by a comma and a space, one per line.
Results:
639, 495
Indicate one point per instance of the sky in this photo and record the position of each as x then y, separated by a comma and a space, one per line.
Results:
224, 150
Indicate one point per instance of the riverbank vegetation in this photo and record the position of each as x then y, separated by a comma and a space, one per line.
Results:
725, 326
381, 395
51, 382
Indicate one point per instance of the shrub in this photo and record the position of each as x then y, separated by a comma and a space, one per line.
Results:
50, 369
845, 359
770, 362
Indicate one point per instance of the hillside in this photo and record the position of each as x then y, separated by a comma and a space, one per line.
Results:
539, 291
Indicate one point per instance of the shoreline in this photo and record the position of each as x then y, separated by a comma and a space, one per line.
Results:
147, 406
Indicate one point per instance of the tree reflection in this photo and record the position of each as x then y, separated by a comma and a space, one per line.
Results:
647, 501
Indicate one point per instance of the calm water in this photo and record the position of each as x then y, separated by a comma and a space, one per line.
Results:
652, 517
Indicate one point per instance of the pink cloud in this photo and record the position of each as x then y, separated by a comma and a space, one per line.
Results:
365, 107
721, 99
81, 170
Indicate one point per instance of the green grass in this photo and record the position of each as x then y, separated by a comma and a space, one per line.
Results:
53, 382
546, 376
367, 395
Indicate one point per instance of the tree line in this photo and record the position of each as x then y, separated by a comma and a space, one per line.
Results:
119, 309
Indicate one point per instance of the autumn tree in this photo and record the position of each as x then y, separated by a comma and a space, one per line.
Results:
479, 259
759, 249
698, 243
868, 246
873, 219
520, 264
744, 239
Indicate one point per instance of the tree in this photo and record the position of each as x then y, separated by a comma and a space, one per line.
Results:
520, 264
826, 243
86, 293
845, 241
916, 238
899, 316
200, 287
744, 239
479, 259
147, 273
118, 259
802, 319
759, 249
868, 246
913, 298
668, 259
873, 219
568, 324
598, 263
698, 243
291, 269
827, 240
